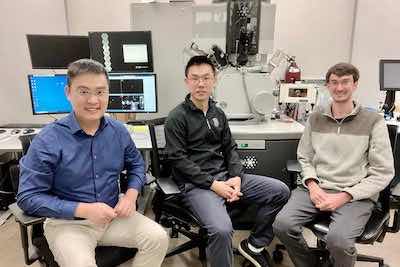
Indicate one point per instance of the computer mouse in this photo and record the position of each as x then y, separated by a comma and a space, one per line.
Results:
28, 131
15, 131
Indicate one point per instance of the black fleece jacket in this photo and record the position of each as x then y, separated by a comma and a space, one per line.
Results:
200, 146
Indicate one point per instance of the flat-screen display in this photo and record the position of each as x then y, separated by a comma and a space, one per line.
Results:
56, 51
389, 74
125, 51
128, 93
48, 94
136, 93
243, 27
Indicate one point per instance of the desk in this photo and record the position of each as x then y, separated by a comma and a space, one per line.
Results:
9, 141
265, 148
270, 130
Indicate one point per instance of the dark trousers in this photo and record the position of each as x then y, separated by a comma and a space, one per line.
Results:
346, 225
268, 194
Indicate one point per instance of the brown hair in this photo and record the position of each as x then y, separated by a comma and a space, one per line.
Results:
82, 66
342, 69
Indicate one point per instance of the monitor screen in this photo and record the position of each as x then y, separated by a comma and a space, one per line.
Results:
136, 93
389, 74
56, 51
48, 95
243, 27
122, 51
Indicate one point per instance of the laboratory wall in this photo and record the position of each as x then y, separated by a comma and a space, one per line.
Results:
17, 18
376, 36
317, 32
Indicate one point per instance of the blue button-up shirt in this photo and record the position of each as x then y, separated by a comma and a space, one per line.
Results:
65, 166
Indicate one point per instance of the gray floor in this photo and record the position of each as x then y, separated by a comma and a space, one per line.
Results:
11, 252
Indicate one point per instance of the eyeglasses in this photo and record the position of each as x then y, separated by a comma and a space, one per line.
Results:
345, 82
97, 93
196, 79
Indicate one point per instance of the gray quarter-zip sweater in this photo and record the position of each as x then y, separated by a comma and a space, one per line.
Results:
352, 155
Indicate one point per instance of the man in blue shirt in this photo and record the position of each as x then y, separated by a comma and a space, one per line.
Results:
71, 175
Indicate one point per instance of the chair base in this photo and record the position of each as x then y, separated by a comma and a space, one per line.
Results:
367, 258
324, 256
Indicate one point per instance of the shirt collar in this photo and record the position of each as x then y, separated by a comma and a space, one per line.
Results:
72, 123
327, 109
192, 106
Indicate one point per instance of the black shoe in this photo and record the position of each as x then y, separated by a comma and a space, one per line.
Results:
261, 259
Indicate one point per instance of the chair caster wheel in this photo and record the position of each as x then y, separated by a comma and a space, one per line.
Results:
277, 256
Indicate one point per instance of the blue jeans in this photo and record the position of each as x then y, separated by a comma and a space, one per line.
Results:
267, 193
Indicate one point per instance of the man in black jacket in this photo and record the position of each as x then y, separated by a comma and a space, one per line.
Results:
208, 171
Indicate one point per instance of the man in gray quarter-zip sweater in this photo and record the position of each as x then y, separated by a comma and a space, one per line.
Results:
209, 173
346, 161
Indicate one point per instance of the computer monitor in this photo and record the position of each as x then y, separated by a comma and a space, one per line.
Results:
48, 94
122, 51
56, 51
243, 27
136, 93
389, 74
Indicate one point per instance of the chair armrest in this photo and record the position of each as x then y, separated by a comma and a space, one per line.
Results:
30, 254
22, 218
168, 186
293, 166
395, 205
150, 178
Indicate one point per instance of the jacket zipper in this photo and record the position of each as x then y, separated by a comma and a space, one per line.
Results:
340, 124
208, 123
337, 122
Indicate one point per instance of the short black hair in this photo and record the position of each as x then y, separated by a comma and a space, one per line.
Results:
199, 60
342, 69
83, 66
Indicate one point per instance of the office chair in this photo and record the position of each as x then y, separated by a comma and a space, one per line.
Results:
7, 187
376, 227
395, 143
170, 210
34, 244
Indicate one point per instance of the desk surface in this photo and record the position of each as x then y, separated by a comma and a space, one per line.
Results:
9, 141
270, 130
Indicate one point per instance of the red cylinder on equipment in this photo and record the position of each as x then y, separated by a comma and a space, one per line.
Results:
293, 72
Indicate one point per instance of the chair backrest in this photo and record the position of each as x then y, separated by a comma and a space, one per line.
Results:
395, 143
158, 141
26, 141
384, 195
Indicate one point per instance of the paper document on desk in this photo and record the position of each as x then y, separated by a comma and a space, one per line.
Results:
140, 134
